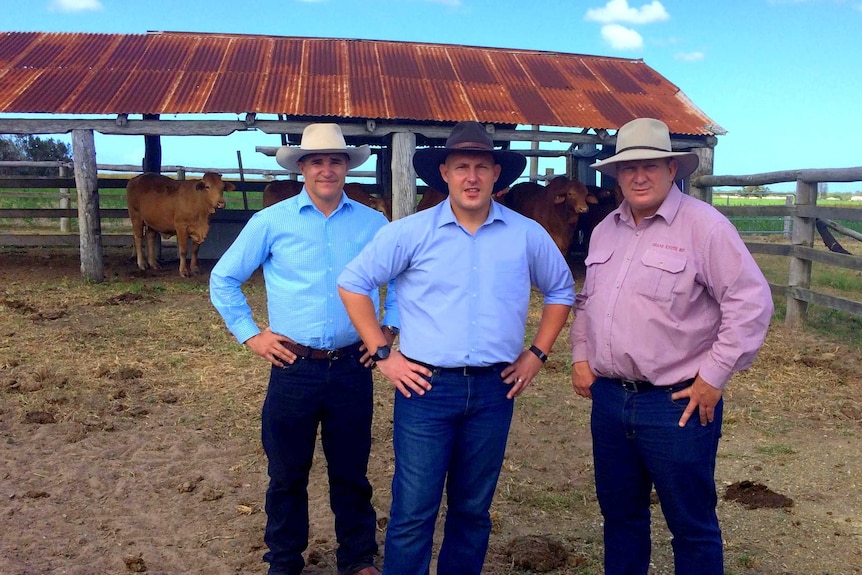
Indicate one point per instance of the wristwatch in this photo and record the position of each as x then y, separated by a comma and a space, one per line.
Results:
381, 353
539, 353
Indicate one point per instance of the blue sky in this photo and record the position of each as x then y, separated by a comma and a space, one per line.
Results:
781, 76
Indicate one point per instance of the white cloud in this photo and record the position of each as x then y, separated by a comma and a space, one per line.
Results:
620, 11
75, 5
622, 38
690, 56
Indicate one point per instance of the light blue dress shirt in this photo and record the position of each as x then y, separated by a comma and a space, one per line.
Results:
463, 299
302, 253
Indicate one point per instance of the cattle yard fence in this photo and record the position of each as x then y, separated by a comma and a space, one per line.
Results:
802, 213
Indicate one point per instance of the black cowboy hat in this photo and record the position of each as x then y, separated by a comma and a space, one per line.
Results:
467, 136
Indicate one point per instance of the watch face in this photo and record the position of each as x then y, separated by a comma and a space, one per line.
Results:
381, 353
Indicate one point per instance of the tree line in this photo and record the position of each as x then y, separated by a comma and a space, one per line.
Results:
17, 148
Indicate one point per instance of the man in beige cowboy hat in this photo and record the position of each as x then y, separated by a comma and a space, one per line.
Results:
320, 375
673, 304
464, 270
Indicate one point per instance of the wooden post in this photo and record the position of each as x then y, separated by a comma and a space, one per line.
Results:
704, 168
788, 220
89, 224
65, 225
800, 269
534, 160
403, 175
152, 161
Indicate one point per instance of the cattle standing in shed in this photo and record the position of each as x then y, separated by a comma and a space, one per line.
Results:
557, 206
606, 201
170, 207
279, 190
430, 198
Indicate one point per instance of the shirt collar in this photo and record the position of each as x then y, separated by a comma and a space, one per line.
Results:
304, 200
667, 210
447, 216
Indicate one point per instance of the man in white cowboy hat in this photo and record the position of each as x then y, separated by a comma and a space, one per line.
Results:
463, 270
320, 375
673, 304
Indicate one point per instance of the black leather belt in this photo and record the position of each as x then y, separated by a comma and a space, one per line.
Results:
306, 352
465, 370
642, 386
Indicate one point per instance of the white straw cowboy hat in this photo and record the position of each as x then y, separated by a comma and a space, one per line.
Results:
646, 139
321, 139
467, 136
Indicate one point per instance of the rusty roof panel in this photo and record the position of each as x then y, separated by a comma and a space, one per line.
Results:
49, 90
531, 105
246, 56
494, 103
398, 60
362, 60
408, 98
544, 71
615, 75
323, 58
190, 73
166, 54
435, 64
366, 96
471, 65
13, 44
231, 93
322, 96
145, 90
452, 104
96, 95
13, 83
190, 93
207, 56
128, 53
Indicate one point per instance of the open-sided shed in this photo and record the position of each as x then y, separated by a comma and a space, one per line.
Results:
392, 95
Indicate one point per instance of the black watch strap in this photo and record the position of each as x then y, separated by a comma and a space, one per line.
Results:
539, 353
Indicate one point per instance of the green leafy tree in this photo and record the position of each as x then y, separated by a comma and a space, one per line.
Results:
35, 149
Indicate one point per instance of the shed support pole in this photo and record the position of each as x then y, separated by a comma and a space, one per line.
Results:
704, 168
800, 269
403, 175
89, 223
65, 224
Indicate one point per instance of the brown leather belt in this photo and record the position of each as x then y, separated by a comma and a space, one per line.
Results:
306, 352
465, 370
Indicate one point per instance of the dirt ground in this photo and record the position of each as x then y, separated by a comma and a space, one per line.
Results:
129, 443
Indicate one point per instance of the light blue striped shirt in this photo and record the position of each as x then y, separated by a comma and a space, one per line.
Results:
302, 253
462, 298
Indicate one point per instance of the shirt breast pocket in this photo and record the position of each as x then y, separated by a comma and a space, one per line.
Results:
594, 262
661, 273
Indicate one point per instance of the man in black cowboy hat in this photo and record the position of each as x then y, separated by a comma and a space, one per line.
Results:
463, 271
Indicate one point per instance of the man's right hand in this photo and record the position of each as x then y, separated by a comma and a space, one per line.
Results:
404, 374
267, 345
583, 378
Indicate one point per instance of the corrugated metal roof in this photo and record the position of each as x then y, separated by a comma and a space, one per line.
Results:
192, 73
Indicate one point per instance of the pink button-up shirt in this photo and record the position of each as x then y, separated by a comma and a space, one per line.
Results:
676, 296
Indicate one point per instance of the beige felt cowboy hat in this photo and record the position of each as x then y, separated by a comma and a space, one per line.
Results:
321, 139
646, 139
467, 136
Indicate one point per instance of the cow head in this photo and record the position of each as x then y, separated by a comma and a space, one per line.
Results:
574, 194
214, 187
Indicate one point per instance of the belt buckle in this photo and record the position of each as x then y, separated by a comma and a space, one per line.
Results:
629, 385
332, 354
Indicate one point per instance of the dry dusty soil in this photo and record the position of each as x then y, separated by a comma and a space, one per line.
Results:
129, 443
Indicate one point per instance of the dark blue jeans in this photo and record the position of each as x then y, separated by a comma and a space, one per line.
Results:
455, 435
637, 443
337, 396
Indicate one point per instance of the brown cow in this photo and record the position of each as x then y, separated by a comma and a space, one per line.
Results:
606, 201
170, 207
278, 190
556, 206
430, 198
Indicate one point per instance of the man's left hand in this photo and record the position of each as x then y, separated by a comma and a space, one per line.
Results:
702, 397
520, 374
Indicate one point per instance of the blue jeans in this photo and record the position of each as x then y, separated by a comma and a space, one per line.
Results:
455, 435
637, 443
337, 396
